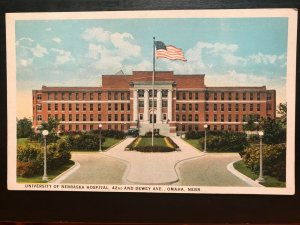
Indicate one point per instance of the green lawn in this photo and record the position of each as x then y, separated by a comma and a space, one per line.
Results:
51, 174
157, 141
269, 181
110, 142
195, 143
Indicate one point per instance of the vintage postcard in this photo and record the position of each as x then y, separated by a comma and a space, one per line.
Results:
187, 101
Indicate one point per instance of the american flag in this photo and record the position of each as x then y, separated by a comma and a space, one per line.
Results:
168, 51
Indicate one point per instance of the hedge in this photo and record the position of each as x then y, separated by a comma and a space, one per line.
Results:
132, 147
30, 158
225, 142
84, 141
274, 159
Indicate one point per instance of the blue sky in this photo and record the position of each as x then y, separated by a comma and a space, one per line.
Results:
240, 51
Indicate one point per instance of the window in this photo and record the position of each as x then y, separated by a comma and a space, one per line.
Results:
236, 127
177, 107
183, 107
215, 96
258, 96
190, 127
70, 127
99, 107
229, 107
164, 103
196, 118
62, 96
63, 127
141, 116
215, 127
251, 107
222, 107
122, 95
39, 107
55, 106
237, 118
222, 96
269, 96
70, 117
177, 117
196, 127
183, 118
109, 95
183, 127
206, 96
84, 127
206, 117
109, 117
177, 95
258, 107
196, 107
236, 107
77, 117
91, 117
215, 118
269, 107
91, 96
244, 107
116, 117
77, 107
70, 107
91, 107
84, 96
76, 96
244, 118
229, 96
91, 127
229, 127
56, 116
251, 96
63, 117
196, 95
150, 103
99, 95
141, 103
84, 117
122, 106
122, 117
215, 107
63, 107
99, 117
229, 118
128, 117
49, 96
70, 96
84, 107
116, 95
49, 107
128, 95
206, 107
244, 96
236, 96
190, 95
183, 96
109, 126
190, 107
222, 118
77, 127
128, 106
39, 117
222, 127
109, 107
164, 93
55, 96
190, 117
39, 97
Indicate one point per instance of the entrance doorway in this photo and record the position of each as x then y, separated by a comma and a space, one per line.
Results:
151, 118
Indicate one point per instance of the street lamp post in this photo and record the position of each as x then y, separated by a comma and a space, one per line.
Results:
205, 127
100, 147
260, 179
45, 133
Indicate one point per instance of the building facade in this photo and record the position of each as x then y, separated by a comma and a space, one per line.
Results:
177, 103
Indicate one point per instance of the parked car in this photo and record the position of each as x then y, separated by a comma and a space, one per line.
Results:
134, 132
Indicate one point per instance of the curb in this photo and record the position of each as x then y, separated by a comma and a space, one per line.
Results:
58, 179
241, 176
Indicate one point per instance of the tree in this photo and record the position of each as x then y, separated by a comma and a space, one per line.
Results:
252, 123
24, 128
274, 131
51, 125
282, 110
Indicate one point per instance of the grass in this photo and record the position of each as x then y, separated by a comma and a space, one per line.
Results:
269, 181
51, 175
157, 141
110, 142
194, 142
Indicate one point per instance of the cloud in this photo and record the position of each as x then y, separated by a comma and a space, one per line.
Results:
56, 40
62, 56
96, 34
25, 62
48, 29
39, 51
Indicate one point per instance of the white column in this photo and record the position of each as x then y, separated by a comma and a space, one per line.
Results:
146, 105
159, 106
170, 108
135, 105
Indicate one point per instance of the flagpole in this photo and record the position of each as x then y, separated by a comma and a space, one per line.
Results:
153, 91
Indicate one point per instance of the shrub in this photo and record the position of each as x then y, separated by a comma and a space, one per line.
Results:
84, 141
274, 159
194, 134
28, 169
225, 142
153, 149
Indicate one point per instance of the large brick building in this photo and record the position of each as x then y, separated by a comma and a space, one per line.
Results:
181, 102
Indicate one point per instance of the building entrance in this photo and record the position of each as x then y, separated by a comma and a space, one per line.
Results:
151, 118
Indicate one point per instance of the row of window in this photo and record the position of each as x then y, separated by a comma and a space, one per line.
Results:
184, 95
141, 93
216, 118
164, 103
84, 117
116, 95
190, 127
221, 107
85, 127
84, 106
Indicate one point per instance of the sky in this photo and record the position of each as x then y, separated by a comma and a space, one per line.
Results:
229, 51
